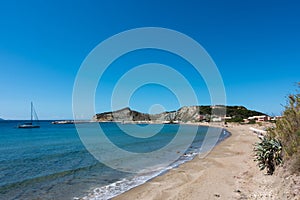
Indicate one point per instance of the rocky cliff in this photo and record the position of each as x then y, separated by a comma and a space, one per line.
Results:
125, 114
184, 114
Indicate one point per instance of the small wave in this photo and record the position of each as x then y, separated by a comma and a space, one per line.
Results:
116, 188
121, 186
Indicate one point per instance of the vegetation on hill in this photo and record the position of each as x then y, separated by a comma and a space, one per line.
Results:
242, 112
237, 113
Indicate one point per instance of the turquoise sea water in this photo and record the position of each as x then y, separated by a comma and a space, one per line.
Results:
51, 162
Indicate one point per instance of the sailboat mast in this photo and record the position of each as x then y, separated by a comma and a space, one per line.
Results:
27, 124
31, 113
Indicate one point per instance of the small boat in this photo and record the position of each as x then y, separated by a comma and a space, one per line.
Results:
32, 116
64, 122
71, 122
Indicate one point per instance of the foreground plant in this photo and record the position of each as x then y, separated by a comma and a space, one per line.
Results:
268, 154
288, 132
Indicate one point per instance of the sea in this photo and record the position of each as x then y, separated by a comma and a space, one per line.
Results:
52, 162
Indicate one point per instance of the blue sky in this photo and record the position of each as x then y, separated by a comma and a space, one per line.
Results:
255, 45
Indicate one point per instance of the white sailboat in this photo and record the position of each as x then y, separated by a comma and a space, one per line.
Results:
32, 116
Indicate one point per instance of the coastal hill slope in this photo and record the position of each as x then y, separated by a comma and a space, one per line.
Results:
184, 114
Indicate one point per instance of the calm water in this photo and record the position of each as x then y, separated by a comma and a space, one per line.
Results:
52, 163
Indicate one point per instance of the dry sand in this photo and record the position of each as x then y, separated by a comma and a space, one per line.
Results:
227, 172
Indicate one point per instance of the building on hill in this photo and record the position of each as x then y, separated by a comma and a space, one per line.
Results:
261, 118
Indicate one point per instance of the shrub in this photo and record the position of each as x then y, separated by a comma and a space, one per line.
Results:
251, 121
268, 154
288, 129
235, 119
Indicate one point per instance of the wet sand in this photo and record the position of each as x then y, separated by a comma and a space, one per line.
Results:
225, 173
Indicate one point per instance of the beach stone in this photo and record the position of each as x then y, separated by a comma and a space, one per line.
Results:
217, 195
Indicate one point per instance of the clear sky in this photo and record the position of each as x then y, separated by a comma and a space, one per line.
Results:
255, 45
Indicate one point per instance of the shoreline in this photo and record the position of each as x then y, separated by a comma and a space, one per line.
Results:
216, 175
103, 192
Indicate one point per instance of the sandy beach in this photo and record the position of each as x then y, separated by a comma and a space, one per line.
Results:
227, 172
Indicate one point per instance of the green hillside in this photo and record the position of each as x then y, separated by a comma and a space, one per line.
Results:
238, 113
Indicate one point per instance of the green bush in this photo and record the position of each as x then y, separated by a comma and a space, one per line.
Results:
235, 119
268, 154
288, 130
251, 121
288, 127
